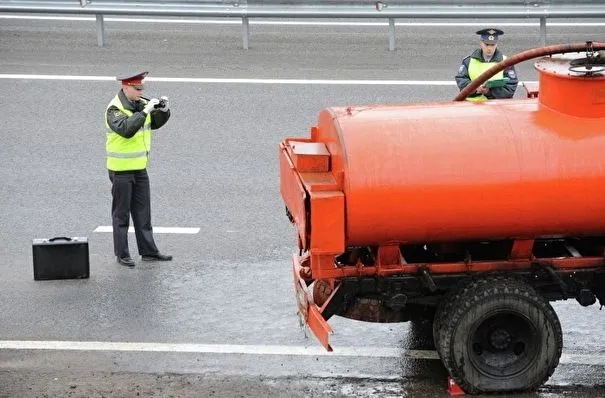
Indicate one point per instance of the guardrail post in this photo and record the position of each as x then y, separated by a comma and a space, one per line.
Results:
543, 31
391, 34
245, 32
100, 30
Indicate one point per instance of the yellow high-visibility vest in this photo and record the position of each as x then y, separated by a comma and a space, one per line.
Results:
476, 68
125, 154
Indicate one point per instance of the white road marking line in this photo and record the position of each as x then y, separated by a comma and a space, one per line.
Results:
582, 359
375, 352
156, 230
56, 77
244, 81
236, 21
306, 81
370, 352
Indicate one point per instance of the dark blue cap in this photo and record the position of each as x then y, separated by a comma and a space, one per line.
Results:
490, 35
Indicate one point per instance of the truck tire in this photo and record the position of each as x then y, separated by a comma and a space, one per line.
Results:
444, 308
499, 335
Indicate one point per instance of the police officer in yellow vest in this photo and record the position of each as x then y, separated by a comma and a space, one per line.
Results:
129, 120
501, 85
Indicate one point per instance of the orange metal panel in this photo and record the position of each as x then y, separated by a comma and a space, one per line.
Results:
322, 266
319, 327
319, 182
522, 249
309, 156
327, 222
294, 195
308, 311
389, 255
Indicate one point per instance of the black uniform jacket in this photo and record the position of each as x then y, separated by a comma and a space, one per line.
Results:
127, 126
463, 80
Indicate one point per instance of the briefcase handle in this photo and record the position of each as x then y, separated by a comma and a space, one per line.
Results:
59, 238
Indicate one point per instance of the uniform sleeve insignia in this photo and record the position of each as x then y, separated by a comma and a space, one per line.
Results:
461, 69
117, 113
511, 74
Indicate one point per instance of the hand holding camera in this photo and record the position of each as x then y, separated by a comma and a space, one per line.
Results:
154, 103
151, 105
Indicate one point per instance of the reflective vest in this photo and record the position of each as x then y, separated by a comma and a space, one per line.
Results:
125, 154
476, 68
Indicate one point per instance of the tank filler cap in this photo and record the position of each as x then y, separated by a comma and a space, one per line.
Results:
584, 64
592, 64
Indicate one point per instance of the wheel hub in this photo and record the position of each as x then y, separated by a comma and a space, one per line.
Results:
500, 339
500, 343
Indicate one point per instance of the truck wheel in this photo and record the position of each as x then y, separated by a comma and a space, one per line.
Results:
499, 335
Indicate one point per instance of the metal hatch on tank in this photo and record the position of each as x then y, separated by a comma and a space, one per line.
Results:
420, 211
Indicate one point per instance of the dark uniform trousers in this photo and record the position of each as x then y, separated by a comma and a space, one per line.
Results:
131, 196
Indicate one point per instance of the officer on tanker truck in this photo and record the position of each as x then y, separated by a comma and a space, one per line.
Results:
502, 84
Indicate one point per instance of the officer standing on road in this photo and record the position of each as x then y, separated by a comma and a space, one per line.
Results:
481, 60
129, 120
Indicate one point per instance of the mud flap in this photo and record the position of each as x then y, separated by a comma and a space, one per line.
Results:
307, 310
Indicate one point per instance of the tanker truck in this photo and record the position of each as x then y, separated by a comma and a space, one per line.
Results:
473, 215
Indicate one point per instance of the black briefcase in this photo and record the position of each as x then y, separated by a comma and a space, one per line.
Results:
60, 258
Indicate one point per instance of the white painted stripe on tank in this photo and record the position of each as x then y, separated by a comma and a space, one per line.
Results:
156, 230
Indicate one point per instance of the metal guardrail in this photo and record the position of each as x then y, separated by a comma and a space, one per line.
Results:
246, 9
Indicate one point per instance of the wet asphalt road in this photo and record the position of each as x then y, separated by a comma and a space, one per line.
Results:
214, 166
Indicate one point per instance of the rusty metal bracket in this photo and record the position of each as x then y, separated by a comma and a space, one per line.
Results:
551, 272
427, 280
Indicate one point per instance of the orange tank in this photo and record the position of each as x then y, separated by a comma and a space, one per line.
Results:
462, 171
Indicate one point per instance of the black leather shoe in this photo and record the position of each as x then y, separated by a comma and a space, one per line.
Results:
127, 261
156, 257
